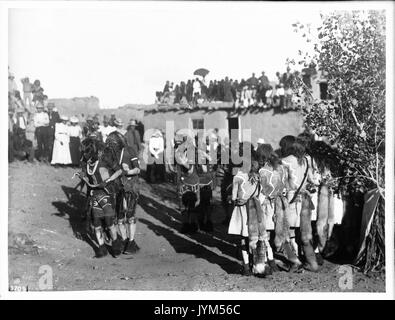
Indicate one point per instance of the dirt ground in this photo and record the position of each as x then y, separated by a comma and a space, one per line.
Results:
45, 229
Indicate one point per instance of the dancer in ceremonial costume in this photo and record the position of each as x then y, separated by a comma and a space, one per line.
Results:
258, 241
308, 141
188, 183
300, 174
130, 195
224, 180
330, 206
126, 199
244, 191
206, 173
273, 179
100, 179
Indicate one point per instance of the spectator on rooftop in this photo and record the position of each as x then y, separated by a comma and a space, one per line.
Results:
27, 91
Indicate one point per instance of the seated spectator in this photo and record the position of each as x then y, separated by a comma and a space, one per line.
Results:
276, 97
253, 85
269, 97
189, 91
197, 89
166, 89
23, 148
228, 97
20, 121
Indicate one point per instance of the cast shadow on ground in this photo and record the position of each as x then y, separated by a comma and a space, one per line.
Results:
72, 208
171, 218
183, 245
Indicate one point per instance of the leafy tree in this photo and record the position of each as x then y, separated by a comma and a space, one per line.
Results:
350, 52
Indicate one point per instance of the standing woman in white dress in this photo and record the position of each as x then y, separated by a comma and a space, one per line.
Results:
61, 148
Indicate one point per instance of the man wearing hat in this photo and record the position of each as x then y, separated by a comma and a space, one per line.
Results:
94, 129
112, 120
86, 127
133, 136
106, 129
54, 118
119, 125
41, 123
260, 142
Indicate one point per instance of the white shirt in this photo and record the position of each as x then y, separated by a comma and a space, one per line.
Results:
196, 86
75, 131
41, 119
280, 91
105, 131
62, 132
156, 145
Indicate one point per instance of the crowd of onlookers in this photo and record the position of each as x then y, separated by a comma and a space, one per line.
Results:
255, 91
37, 132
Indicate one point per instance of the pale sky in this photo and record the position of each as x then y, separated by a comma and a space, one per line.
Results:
123, 54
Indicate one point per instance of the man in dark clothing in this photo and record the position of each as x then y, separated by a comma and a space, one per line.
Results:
166, 89
41, 123
264, 85
253, 84
133, 137
112, 120
189, 90
228, 97
54, 118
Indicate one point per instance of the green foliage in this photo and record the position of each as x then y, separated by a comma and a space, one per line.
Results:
350, 51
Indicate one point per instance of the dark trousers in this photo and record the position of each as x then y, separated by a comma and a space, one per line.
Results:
43, 142
51, 140
156, 170
10, 146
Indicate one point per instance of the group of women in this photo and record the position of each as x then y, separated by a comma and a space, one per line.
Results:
285, 205
66, 148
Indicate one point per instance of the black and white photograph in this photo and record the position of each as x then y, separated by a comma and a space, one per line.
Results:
198, 147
